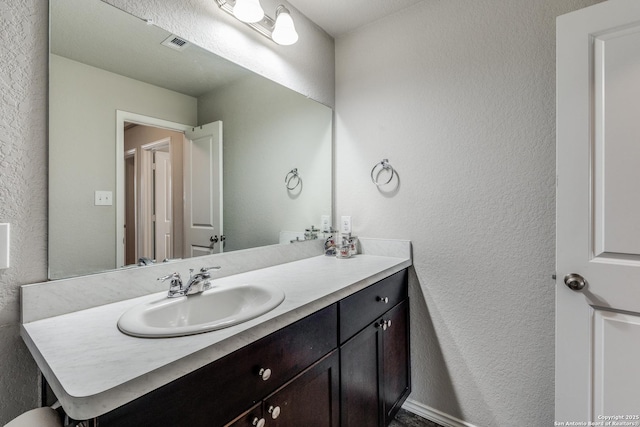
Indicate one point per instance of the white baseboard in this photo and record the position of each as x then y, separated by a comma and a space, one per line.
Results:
434, 415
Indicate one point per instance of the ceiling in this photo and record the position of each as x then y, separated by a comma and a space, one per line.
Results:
102, 36
109, 33
338, 17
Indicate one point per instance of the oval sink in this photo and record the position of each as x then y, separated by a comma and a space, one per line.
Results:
213, 309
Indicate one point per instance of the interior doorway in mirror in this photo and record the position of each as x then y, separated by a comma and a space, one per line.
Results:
170, 182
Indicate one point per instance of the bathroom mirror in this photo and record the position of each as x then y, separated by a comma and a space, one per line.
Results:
146, 127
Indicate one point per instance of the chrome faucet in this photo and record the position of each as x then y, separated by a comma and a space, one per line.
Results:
199, 282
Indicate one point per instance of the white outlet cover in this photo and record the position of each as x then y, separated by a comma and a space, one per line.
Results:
345, 224
325, 222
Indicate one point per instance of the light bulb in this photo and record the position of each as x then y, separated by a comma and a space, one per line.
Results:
284, 32
248, 11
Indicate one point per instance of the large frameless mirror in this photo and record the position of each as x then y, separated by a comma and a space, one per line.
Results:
159, 149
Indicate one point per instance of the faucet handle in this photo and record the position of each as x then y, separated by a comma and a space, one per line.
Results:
175, 289
172, 276
204, 272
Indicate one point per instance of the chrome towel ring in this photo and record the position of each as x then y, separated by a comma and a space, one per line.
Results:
381, 167
292, 176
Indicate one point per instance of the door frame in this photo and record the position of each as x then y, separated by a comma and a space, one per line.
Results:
132, 154
140, 119
146, 222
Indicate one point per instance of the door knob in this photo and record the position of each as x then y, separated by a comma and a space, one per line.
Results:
574, 281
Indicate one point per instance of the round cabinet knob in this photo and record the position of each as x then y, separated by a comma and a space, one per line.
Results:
384, 300
258, 422
274, 411
388, 323
575, 282
265, 374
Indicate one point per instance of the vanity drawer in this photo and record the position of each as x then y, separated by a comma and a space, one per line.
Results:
360, 309
215, 394
285, 353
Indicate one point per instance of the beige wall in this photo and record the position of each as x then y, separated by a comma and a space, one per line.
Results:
269, 130
82, 128
459, 95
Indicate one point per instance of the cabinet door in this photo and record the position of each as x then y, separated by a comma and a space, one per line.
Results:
360, 378
375, 370
310, 399
396, 377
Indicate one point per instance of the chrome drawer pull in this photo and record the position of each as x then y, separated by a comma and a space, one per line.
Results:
274, 411
384, 324
265, 374
384, 300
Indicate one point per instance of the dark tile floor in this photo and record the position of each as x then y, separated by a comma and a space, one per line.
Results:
407, 419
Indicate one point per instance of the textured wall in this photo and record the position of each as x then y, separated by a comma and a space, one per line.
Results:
307, 67
23, 185
460, 97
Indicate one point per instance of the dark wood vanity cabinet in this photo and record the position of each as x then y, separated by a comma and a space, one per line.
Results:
345, 365
310, 399
374, 362
216, 394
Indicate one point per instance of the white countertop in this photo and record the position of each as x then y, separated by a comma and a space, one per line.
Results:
93, 368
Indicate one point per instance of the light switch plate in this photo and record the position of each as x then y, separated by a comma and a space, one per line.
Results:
5, 237
104, 198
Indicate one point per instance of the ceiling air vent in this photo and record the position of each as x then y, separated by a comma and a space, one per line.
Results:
175, 42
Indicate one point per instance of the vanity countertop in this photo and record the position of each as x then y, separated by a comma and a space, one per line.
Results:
93, 368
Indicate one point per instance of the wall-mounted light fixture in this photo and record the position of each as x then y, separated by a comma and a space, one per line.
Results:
281, 30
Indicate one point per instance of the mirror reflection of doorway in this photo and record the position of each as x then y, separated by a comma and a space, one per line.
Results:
153, 179
192, 180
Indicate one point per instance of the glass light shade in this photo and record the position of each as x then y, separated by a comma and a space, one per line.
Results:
284, 32
248, 10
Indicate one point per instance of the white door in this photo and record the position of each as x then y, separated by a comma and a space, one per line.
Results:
598, 214
163, 206
203, 190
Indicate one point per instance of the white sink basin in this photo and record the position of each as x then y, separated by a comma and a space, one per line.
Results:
216, 308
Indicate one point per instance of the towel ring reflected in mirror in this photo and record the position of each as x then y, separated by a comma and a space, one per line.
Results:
378, 170
292, 180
